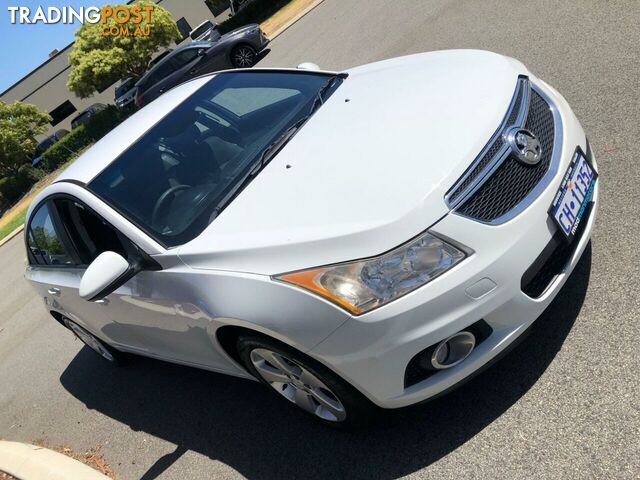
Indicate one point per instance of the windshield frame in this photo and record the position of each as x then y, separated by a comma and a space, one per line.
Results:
304, 112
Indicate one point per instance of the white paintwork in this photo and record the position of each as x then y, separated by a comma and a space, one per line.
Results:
103, 271
308, 66
366, 175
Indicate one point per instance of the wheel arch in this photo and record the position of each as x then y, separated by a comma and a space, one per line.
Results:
58, 317
227, 336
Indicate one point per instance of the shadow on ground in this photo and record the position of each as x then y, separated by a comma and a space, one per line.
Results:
242, 424
262, 55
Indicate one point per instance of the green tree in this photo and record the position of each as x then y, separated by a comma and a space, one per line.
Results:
19, 124
98, 59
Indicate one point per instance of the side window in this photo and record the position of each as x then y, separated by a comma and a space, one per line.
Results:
89, 233
46, 246
163, 71
182, 58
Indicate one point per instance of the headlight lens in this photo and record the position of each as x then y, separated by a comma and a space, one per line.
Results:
363, 285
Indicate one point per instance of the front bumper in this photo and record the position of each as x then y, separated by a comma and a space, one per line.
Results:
261, 40
124, 102
373, 350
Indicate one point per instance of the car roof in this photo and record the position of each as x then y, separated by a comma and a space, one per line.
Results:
46, 139
90, 107
154, 61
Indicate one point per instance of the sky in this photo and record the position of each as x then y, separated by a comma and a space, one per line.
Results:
24, 47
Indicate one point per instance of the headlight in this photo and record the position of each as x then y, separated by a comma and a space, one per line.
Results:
362, 285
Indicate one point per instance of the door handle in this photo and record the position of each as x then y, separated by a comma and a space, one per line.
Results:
54, 291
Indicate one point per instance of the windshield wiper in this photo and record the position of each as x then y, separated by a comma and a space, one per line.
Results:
319, 99
265, 157
274, 147
271, 150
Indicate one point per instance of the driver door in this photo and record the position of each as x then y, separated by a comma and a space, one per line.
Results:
184, 65
152, 312
55, 269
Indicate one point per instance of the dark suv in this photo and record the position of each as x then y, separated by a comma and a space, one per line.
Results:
45, 144
85, 115
239, 48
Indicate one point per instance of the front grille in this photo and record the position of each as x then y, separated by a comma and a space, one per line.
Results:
513, 181
494, 145
477, 170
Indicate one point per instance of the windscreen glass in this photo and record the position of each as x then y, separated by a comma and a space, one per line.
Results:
173, 181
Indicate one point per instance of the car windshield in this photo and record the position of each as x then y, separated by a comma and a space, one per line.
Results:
182, 172
124, 87
201, 29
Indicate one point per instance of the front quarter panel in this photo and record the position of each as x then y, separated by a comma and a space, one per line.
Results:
252, 301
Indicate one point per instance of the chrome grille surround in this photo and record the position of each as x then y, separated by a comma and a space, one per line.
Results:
496, 188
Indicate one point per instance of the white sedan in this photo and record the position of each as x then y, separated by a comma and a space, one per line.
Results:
354, 240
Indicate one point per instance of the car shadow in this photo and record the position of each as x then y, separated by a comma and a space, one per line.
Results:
242, 424
261, 55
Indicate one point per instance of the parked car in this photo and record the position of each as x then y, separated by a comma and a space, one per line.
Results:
45, 144
206, 31
237, 5
239, 48
369, 237
125, 93
85, 115
159, 57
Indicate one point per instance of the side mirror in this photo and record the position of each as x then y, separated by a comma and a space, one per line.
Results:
105, 274
308, 66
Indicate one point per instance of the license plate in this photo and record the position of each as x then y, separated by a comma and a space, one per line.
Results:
575, 192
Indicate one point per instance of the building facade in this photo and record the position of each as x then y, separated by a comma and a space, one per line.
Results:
46, 85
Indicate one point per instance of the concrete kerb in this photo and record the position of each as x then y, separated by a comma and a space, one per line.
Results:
30, 462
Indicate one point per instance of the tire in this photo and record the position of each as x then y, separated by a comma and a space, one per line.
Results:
305, 383
106, 352
244, 56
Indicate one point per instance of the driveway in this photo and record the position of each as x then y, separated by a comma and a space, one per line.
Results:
563, 404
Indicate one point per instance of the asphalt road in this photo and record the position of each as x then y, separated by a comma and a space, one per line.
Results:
564, 404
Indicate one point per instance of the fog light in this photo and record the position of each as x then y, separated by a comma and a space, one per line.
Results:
453, 350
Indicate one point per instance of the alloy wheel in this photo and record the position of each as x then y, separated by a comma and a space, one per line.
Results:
298, 385
244, 57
